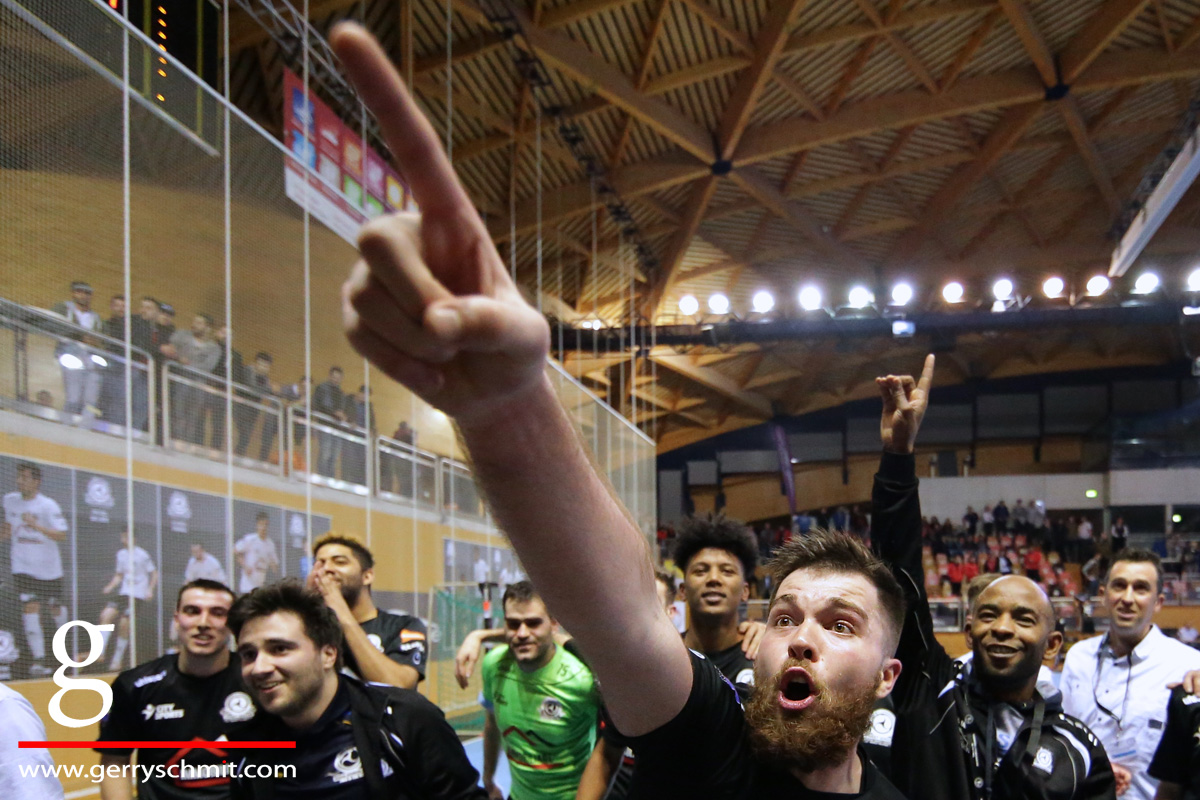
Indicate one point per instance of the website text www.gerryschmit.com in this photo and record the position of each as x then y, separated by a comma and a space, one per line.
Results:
144, 772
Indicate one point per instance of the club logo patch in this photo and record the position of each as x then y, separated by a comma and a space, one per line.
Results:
883, 725
347, 767
238, 708
1044, 761
551, 710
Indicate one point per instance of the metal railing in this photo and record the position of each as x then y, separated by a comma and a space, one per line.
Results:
340, 450
194, 405
406, 473
87, 368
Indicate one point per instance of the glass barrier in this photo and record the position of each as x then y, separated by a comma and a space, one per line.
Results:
406, 473
65, 373
460, 497
339, 451
194, 419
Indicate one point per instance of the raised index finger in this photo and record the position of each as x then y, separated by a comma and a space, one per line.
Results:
926, 375
408, 133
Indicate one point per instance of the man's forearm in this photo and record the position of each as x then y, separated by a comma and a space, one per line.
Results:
598, 772
587, 558
491, 748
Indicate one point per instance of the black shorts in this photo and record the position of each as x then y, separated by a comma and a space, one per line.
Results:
121, 603
32, 589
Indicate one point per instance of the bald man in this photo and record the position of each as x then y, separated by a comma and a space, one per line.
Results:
981, 730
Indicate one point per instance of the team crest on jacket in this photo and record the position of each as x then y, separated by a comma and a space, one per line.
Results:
347, 766
1044, 761
238, 708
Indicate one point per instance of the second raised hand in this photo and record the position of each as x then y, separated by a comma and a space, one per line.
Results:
430, 302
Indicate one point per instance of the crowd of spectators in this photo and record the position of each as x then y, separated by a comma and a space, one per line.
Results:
94, 384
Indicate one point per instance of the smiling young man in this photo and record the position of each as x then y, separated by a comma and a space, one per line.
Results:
381, 647
433, 306
354, 741
980, 730
194, 694
1118, 684
541, 702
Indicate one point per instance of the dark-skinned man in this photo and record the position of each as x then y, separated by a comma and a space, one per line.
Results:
980, 731
381, 647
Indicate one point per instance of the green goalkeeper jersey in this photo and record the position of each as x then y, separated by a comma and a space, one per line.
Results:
547, 720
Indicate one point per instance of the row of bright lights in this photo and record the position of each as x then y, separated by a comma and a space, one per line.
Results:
811, 299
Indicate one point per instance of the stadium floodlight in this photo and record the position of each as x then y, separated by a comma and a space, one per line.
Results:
952, 292
1053, 287
718, 304
810, 298
762, 302
688, 305
1146, 283
902, 294
1193, 282
1002, 289
860, 297
1097, 285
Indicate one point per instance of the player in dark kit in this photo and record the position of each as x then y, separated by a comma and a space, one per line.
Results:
1177, 761
354, 741
381, 647
193, 694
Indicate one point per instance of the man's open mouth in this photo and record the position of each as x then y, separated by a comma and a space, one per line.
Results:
796, 690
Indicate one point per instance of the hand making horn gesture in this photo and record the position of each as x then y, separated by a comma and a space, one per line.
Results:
430, 302
904, 404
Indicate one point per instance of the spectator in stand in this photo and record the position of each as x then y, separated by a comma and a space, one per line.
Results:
294, 396
1120, 534
970, 520
142, 330
1091, 572
1037, 516
360, 414
329, 400
1059, 537
1020, 517
194, 348
1188, 634
955, 574
1032, 563
81, 375
989, 520
1084, 533
245, 415
1000, 514
214, 401
395, 473
840, 519
45, 398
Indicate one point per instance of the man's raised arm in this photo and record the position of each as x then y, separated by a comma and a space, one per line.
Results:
431, 305
896, 520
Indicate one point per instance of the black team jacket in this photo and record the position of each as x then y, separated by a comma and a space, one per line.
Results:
945, 745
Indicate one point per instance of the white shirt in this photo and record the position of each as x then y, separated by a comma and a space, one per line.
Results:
1084, 530
34, 553
135, 568
1136, 695
258, 556
22, 724
481, 571
208, 568
1188, 635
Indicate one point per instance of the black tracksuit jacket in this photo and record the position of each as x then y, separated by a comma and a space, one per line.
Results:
944, 746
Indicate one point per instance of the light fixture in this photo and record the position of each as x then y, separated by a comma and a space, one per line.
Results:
1002, 289
1193, 282
902, 293
952, 292
860, 297
810, 298
1097, 285
718, 304
688, 305
1177, 518
762, 302
1053, 287
99, 360
70, 361
1146, 283
1091, 494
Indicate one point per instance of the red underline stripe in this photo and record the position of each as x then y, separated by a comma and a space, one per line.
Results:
195, 743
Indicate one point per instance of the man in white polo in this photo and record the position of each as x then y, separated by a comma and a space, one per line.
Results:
1117, 683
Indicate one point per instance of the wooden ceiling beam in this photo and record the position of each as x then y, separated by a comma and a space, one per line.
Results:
617, 154
767, 47
757, 405
701, 196
1104, 26
1190, 36
978, 93
971, 47
483, 44
577, 11
721, 24
1077, 127
857, 32
705, 70
1010, 128
1031, 38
